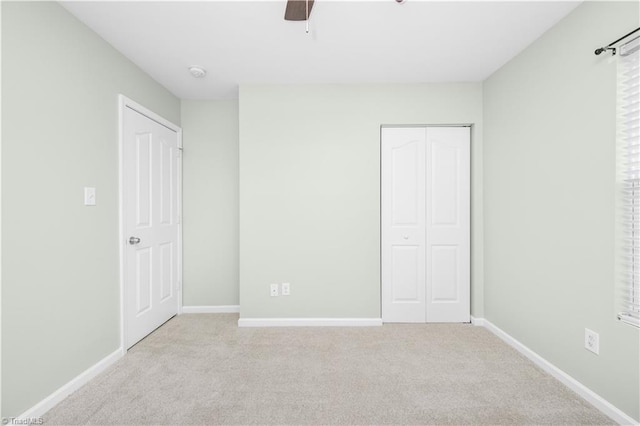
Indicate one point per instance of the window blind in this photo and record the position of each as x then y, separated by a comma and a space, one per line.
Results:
629, 77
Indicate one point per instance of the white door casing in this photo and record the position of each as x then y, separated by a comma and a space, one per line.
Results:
150, 223
425, 224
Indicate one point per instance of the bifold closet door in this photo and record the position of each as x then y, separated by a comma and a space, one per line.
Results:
426, 224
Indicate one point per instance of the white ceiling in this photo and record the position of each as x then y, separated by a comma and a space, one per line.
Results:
376, 41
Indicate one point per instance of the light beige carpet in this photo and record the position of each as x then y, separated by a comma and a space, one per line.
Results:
203, 369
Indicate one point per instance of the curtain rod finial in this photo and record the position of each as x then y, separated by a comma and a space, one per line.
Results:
599, 50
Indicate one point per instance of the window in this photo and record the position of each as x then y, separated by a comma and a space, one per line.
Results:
629, 97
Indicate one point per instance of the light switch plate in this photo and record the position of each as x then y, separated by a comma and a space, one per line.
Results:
89, 196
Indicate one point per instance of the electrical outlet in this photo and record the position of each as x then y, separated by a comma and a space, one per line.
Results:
274, 290
286, 289
592, 341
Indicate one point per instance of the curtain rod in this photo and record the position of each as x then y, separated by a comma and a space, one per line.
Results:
609, 46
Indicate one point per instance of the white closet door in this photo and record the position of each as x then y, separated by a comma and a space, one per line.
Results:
403, 220
448, 224
425, 224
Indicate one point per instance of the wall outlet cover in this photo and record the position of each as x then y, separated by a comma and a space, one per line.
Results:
592, 341
286, 289
274, 290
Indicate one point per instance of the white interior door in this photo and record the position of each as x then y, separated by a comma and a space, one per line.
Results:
425, 224
151, 228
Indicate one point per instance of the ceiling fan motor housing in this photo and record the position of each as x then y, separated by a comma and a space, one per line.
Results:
297, 10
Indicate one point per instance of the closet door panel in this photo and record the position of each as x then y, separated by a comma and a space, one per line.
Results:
403, 219
448, 224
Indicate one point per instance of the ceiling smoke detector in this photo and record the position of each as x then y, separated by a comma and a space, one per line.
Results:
197, 72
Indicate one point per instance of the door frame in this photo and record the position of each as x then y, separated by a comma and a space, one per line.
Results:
124, 103
472, 128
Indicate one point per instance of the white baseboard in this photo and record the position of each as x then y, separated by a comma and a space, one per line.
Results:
222, 309
309, 322
83, 378
593, 398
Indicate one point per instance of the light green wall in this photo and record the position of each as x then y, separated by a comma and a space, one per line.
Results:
310, 191
60, 283
549, 192
210, 202
309, 197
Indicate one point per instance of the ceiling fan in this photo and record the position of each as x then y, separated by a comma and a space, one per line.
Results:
298, 10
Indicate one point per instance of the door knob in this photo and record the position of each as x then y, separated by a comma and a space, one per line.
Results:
134, 240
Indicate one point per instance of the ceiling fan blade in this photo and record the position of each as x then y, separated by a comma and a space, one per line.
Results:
297, 10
